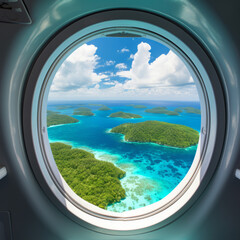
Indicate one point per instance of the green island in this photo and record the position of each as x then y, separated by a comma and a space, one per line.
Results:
188, 110
63, 107
93, 180
51, 112
84, 111
54, 118
139, 106
124, 115
162, 133
162, 110
104, 108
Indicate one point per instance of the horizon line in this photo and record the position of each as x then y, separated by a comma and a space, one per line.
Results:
123, 100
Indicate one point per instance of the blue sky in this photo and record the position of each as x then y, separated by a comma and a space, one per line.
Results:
120, 50
123, 68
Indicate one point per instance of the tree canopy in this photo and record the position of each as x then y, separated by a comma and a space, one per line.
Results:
84, 111
54, 118
162, 133
93, 180
124, 115
162, 110
188, 110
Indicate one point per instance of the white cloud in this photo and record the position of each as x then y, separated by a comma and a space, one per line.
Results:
110, 62
107, 75
165, 78
121, 66
131, 56
123, 50
118, 91
166, 71
77, 71
110, 83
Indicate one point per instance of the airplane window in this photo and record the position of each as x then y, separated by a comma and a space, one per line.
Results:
124, 117
123, 121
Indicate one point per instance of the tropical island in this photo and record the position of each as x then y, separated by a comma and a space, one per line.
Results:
162, 110
63, 107
104, 108
52, 112
162, 133
93, 180
188, 110
54, 118
139, 106
124, 115
84, 111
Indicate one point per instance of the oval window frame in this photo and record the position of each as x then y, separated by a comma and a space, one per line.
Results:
36, 139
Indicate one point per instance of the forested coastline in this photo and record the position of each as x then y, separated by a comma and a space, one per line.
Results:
96, 181
162, 133
54, 118
124, 115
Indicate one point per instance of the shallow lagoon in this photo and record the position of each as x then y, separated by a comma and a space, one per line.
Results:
153, 171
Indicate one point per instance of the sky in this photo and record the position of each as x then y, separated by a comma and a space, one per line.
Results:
123, 69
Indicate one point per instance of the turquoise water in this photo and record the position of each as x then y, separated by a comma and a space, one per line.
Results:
153, 171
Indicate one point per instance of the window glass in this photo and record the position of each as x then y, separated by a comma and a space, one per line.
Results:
123, 122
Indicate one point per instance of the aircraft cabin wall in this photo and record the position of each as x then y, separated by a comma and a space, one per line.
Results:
27, 211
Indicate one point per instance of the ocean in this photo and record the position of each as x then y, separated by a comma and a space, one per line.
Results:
152, 171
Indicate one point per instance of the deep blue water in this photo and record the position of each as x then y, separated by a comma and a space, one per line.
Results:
153, 171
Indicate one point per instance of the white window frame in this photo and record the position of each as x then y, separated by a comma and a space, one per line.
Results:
212, 127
